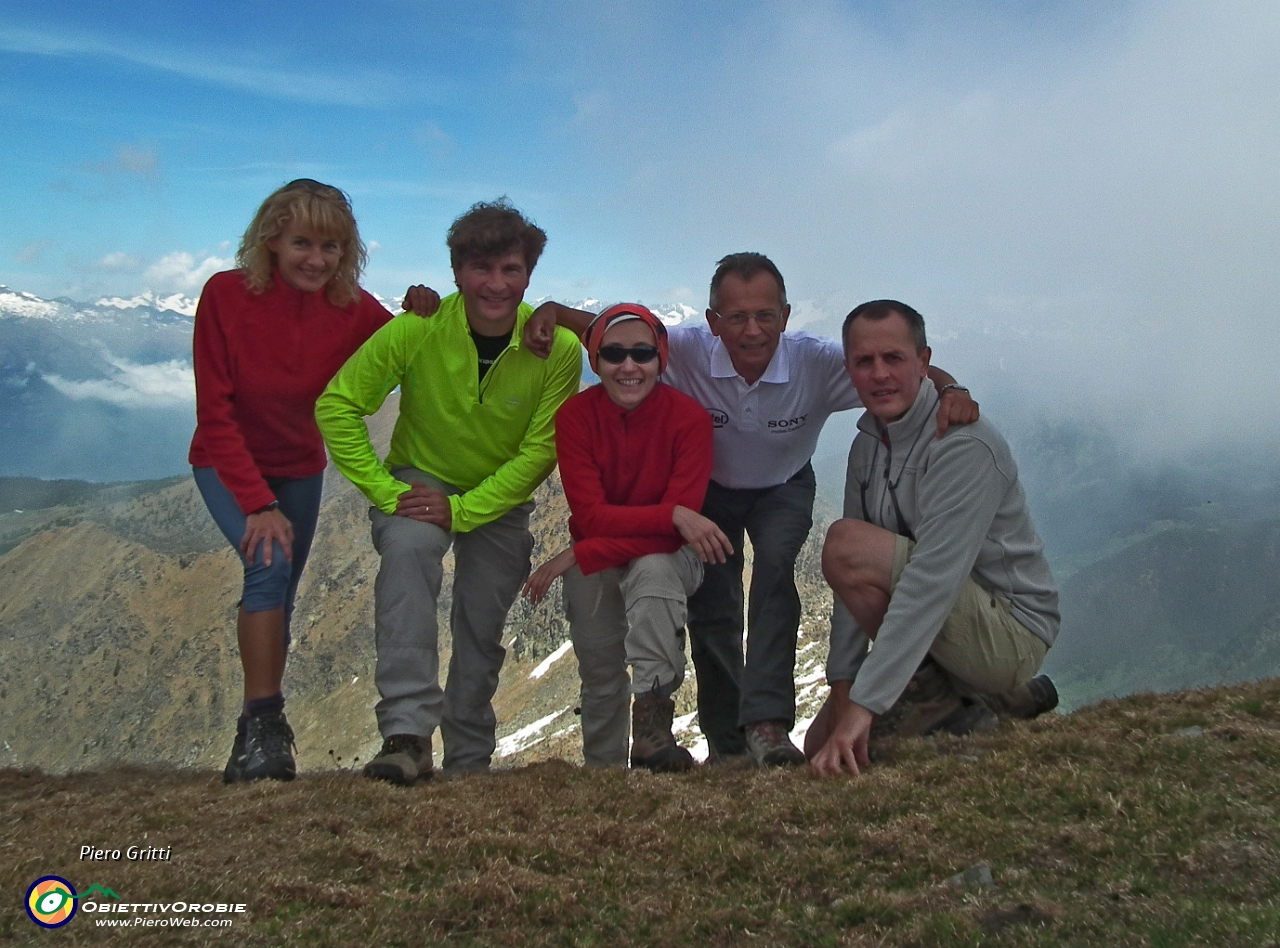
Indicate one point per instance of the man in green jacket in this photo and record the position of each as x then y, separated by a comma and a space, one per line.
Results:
474, 438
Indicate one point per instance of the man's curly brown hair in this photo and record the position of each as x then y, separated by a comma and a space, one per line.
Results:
491, 229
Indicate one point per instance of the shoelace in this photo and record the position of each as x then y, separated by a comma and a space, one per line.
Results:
394, 745
277, 736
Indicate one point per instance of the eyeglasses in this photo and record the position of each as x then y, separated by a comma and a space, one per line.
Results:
765, 320
616, 355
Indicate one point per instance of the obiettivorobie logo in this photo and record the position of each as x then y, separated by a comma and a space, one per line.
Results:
52, 902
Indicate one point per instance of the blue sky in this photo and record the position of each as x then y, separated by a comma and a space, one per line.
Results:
1081, 196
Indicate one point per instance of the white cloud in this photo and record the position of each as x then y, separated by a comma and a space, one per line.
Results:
119, 260
169, 384
138, 160
32, 252
182, 272
435, 139
1110, 166
219, 67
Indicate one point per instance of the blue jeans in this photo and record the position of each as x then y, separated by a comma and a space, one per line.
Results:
274, 586
731, 694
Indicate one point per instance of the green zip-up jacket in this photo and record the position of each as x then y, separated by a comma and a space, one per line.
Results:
494, 440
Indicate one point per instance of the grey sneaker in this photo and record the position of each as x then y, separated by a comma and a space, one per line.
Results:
404, 759
770, 745
653, 746
234, 771
268, 748
1029, 700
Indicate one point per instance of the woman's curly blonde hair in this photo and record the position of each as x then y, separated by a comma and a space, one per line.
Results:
324, 209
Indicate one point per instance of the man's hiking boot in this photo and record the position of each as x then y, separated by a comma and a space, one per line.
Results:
234, 771
404, 759
268, 748
972, 717
716, 759
928, 700
653, 746
771, 746
1029, 700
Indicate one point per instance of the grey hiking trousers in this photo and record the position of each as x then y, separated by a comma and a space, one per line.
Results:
491, 564
629, 615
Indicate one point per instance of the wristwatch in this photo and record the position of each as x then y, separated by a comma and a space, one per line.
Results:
957, 387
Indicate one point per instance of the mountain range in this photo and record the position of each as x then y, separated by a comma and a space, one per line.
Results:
104, 390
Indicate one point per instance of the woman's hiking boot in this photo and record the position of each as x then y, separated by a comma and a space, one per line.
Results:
266, 752
653, 746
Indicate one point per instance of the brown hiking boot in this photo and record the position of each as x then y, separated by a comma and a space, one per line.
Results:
928, 698
770, 745
404, 759
930, 705
1029, 700
652, 744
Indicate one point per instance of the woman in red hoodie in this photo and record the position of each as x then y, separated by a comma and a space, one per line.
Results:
268, 337
635, 460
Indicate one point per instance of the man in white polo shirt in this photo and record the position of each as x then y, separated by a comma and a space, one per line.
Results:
769, 393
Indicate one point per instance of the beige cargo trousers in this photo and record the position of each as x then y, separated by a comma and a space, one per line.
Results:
631, 615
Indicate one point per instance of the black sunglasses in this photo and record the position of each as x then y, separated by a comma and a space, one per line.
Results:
616, 355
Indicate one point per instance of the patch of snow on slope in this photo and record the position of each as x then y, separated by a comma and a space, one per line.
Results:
544, 666
527, 736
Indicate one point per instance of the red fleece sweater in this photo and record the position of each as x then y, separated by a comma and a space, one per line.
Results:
625, 472
261, 361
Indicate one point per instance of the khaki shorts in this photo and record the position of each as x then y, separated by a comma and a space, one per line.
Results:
981, 644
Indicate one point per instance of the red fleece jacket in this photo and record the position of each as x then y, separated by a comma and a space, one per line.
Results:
261, 361
624, 473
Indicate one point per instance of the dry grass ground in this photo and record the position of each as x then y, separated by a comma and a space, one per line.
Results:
1149, 821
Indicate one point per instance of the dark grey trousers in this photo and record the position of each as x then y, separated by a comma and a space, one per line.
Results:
733, 694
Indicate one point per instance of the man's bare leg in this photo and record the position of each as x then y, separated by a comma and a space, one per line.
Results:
857, 561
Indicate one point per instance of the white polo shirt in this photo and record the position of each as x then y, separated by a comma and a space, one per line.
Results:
766, 432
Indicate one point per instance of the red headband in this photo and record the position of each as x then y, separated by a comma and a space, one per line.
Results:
600, 325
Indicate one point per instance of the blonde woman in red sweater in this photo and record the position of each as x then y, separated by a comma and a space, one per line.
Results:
635, 460
268, 337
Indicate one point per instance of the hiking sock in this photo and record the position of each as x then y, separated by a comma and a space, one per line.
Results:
256, 707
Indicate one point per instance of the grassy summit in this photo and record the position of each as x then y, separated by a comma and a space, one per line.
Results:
1146, 821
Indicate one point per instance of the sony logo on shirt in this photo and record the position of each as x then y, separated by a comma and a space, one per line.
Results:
787, 424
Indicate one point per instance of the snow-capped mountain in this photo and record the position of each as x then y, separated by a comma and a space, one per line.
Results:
104, 390
673, 314
101, 390
146, 306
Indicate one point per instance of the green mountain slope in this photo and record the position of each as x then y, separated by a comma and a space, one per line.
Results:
1185, 607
